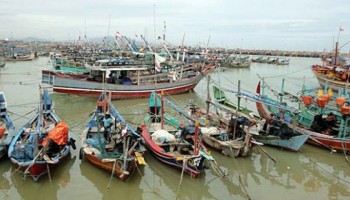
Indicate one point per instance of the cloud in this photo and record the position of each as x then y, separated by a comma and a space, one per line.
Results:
260, 23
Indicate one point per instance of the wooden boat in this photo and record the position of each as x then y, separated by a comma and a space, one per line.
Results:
128, 82
282, 61
219, 133
63, 67
172, 145
21, 57
6, 126
333, 73
279, 135
310, 121
221, 98
43, 142
236, 61
115, 148
2, 62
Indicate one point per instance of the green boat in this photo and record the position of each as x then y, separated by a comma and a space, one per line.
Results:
221, 98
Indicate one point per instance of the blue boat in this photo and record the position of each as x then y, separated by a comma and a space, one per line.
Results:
6, 126
109, 143
43, 142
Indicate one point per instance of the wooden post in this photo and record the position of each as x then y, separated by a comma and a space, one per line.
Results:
282, 91
162, 101
208, 98
237, 109
196, 146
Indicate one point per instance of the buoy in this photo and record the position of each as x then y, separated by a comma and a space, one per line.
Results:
340, 101
307, 100
321, 102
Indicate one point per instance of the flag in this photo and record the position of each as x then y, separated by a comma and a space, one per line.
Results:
157, 60
118, 35
108, 72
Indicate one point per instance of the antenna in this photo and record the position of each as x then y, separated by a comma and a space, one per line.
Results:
154, 23
164, 31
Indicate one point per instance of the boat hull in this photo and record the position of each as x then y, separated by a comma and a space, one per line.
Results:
323, 80
169, 159
109, 166
321, 140
40, 168
294, 143
94, 89
228, 148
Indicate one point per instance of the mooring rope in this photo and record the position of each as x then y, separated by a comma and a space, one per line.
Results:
182, 174
345, 181
137, 167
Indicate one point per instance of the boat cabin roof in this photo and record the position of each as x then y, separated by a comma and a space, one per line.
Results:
122, 69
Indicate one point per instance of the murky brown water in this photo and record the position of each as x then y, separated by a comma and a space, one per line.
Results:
313, 173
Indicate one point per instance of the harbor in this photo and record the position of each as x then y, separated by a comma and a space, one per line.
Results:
311, 173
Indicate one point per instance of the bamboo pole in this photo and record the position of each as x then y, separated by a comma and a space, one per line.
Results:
208, 98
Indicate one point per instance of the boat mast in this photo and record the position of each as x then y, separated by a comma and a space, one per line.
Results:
238, 107
282, 91
208, 98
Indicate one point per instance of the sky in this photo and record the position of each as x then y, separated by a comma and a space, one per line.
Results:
305, 25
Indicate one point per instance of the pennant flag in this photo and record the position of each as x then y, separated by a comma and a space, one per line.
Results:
158, 59
118, 35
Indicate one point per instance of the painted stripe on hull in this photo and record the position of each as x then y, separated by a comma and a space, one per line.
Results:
173, 162
40, 169
108, 166
123, 94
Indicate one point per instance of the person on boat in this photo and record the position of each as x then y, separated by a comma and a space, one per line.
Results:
268, 124
330, 122
107, 124
231, 127
244, 121
331, 119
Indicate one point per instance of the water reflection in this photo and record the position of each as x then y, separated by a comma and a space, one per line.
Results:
164, 182
292, 171
44, 189
100, 180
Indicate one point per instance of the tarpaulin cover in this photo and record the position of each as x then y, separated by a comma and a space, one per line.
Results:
59, 134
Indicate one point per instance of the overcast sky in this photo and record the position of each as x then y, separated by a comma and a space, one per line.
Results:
310, 25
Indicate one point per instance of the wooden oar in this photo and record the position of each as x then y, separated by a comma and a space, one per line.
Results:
268, 155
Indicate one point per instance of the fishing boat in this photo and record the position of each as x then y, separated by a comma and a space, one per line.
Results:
282, 61
311, 120
171, 142
21, 56
6, 126
2, 62
109, 143
333, 72
63, 67
278, 134
132, 82
221, 98
42, 143
227, 131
